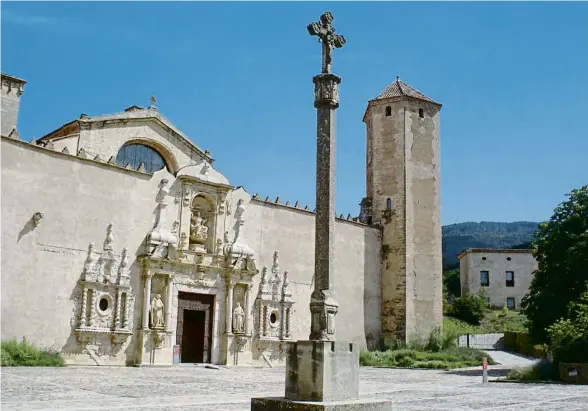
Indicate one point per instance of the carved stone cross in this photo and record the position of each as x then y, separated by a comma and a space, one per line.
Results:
326, 34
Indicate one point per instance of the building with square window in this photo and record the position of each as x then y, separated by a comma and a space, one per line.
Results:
504, 274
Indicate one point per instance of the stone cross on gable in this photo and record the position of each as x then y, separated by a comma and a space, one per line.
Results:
326, 34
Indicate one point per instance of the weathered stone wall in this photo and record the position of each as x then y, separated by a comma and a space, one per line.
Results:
403, 170
521, 262
290, 231
41, 266
78, 197
10, 101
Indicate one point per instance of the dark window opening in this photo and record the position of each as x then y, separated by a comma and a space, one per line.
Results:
510, 303
510, 278
508, 258
484, 278
137, 154
103, 304
388, 111
483, 258
421, 113
389, 204
273, 318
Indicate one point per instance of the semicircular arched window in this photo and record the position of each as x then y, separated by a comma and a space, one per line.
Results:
140, 153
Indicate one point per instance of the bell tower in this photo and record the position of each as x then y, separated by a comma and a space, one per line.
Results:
403, 197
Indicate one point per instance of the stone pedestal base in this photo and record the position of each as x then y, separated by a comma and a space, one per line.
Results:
283, 404
322, 371
321, 375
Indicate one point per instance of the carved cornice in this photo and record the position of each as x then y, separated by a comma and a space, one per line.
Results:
195, 180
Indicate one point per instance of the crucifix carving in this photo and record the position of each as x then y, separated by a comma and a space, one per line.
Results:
327, 36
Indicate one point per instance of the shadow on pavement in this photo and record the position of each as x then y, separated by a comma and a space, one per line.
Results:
493, 372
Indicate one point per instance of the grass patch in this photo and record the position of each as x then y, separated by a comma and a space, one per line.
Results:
410, 358
495, 321
542, 371
24, 354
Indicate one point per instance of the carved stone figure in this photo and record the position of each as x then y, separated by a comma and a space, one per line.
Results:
90, 261
205, 168
198, 229
37, 217
109, 241
123, 268
157, 314
238, 319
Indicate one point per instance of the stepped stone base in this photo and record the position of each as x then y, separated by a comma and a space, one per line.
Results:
284, 404
321, 375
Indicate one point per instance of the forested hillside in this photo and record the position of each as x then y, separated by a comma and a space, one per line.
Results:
457, 237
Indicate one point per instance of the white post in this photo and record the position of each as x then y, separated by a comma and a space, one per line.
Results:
146, 300
168, 304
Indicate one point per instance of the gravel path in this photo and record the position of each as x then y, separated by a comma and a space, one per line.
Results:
194, 388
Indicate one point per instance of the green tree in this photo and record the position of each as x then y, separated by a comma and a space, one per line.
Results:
469, 308
569, 336
561, 249
452, 282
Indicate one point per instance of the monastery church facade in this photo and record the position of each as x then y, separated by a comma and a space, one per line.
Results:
122, 244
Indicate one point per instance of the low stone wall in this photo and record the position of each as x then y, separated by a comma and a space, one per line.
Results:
490, 341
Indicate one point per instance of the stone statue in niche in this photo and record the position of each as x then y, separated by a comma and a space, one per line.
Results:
157, 308
238, 319
198, 229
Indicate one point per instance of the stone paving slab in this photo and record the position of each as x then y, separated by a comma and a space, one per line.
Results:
183, 388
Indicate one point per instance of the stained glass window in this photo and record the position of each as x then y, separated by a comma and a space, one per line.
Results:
139, 153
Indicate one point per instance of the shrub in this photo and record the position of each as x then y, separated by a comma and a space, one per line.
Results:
19, 354
569, 336
469, 308
406, 362
435, 340
542, 371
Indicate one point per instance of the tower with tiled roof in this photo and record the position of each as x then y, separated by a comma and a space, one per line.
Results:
403, 197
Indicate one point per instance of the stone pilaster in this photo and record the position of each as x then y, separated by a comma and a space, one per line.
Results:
229, 305
147, 300
168, 303
246, 308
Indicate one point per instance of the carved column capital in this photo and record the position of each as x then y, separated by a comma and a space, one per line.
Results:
326, 91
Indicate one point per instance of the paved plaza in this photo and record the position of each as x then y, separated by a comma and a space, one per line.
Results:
189, 387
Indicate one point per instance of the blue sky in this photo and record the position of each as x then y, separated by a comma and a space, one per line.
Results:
237, 79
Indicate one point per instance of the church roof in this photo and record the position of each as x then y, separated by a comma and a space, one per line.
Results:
400, 89
131, 113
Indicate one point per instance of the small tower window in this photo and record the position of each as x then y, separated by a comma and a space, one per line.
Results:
388, 111
388, 204
421, 113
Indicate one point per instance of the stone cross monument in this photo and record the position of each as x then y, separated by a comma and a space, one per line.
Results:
323, 305
321, 373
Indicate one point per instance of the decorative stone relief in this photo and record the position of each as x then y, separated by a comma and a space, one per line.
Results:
198, 231
161, 242
238, 255
274, 305
105, 315
202, 221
